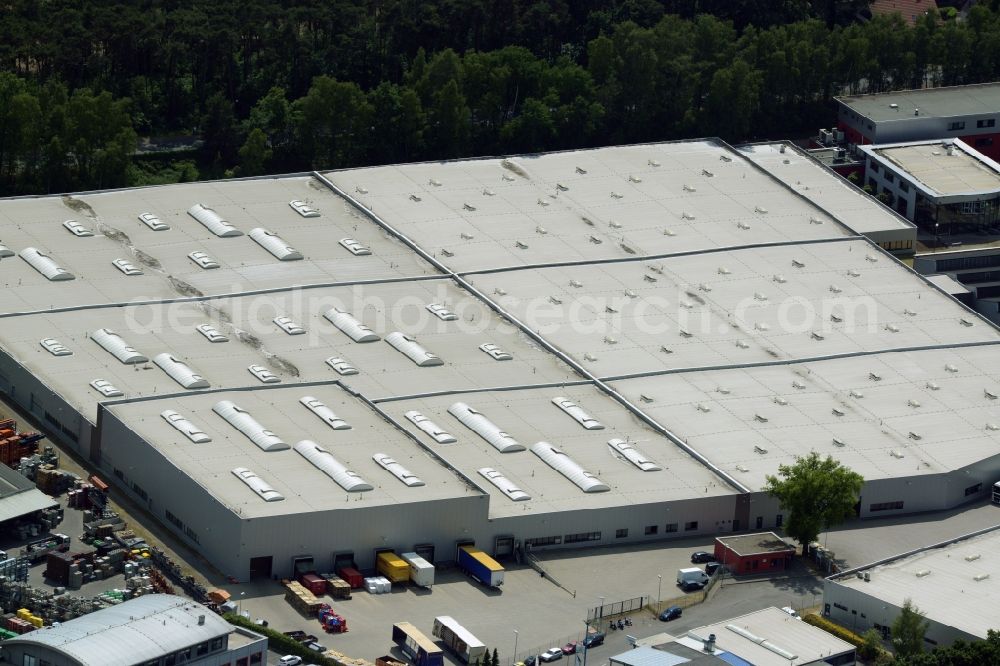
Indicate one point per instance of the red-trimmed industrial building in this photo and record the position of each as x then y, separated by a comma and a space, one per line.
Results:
754, 553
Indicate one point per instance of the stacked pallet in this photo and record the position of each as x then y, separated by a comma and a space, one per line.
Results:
336, 587
301, 599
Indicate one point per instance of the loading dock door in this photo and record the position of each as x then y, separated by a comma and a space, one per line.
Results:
425, 550
260, 567
503, 546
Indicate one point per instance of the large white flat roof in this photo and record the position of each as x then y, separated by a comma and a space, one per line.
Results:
524, 210
168, 272
748, 421
960, 587
938, 173
529, 416
860, 212
949, 102
304, 487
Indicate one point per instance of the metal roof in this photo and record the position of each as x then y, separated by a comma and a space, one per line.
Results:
133, 632
950, 102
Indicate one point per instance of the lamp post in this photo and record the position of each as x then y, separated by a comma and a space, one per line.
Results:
659, 586
240, 609
515, 645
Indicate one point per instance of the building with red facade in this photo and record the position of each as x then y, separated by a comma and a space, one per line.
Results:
754, 553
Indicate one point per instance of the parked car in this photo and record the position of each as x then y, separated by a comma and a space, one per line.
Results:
700, 556
712, 567
570, 648
791, 611
593, 640
290, 660
530, 661
552, 654
671, 613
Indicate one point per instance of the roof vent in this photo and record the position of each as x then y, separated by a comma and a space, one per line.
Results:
836, 411
408, 346
499, 291
690, 188
562, 463
447, 253
540, 230
324, 413
759, 419
759, 450
797, 384
575, 283
631, 293
466, 236
324, 461
908, 311
508, 487
702, 407
180, 372
815, 220
892, 328
871, 257
973, 557
440, 311
665, 350
778, 400
634, 179
589, 357
703, 287
487, 192
896, 453
561, 187
707, 173
798, 264
397, 470
468, 207
743, 225
816, 335
742, 468
980, 577
669, 232
435, 182
645, 398
835, 289
595, 240
759, 296
915, 436
633, 455
185, 427
653, 163
725, 158
724, 271
923, 573
258, 485
360, 189
839, 442
581, 171
248, 425
495, 352
482, 426
724, 390
115, 345
577, 413
439, 434
836, 319
521, 245
780, 279
45, 265
54, 347
507, 177
213, 221
761, 326
648, 278
271, 242
760, 209
610, 309
5, 252
555, 300
684, 333
965, 322
743, 344
350, 326
992, 426
950, 368
913, 403
614, 224
687, 216
874, 376
415, 197
854, 393
617, 195
989, 394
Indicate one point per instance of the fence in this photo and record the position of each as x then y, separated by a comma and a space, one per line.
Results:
615, 608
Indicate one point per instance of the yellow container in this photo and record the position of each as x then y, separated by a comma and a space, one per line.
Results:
393, 567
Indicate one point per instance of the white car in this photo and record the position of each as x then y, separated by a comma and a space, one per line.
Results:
153, 222
106, 388
203, 259
441, 312
552, 654
77, 229
791, 611
341, 366
126, 267
290, 660
263, 374
211, 332
303, 209
354, 247
288, 326
495, 351
55, 347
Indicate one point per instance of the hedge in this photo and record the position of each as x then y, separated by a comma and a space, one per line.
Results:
835, 629
282, 643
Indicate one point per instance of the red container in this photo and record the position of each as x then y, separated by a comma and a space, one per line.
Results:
313, 583
352, 576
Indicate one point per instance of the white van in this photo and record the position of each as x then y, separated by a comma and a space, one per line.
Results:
692, 578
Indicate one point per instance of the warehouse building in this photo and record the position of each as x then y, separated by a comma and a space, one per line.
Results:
153, 630
972, 276
20, 500
584, 348
954, 584
969, 113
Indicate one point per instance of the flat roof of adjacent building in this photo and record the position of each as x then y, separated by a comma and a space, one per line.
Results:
941, 168
135, 631
769, 637
947, 284
950, 584
755, 544
950, 102
804, 174
586, 205
529, 416
304, 487
891, 414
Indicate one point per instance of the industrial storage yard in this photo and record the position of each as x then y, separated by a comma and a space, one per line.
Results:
592, 348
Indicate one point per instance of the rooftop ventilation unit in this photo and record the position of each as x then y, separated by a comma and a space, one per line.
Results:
562, 463
980, 577
915, 436
77, 229
521, 245
634, 179
913, 403
617, 195
115, 345
631, 293
653, 163
575, 283
5, 252
874, 376
989, 394
896, 453
324, 413
507, 178
951, 368
542, 202
702, 407
504, 484
258, 485
645, 398
725, 158
892, 328
360, 189
180, 371
248, 425
743, 344
633, 455
415, 197
815, 220
469, 207
495, 352
854, 393
932, 386
723, 271
45, 265
437, 433
186, 428
669, 232
397, 470
965, 322
540, 230
780, 279
54, 347
411, 349
973, 557
350, 326
839, 442
798, 264
871, 257
488, 192
909, 312
816, 335
690, 188
992, 426
760, 209
272, 242
707, 173
440, 311
687, 216
836, 411
759, 418
589, 357
797, 384
324, 461
614, 224
211, 333
577, 413
684, 333
778, 400
742, 468
482, 426
759, 450
649, 278
835, 289
836, 319
213, 221
704, 287
762, 326
853, 273
743, 225
758, 296
434, 182
555, 300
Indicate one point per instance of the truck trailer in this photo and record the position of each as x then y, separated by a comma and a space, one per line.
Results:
421, 571
480, 566
460, 640
392, 567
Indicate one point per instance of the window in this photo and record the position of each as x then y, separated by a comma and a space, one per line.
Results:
989, 122
29, 660
139, 491
840, 606
670, 527
958, 125
621, 534
242, 661
873, 167
256, 658
691, 526
217, 643
544, 541
972, 207
170, 660
582, 536
202, 649
652, 529
904, 186
779, 520
930, 640
885, 506
972, 490
760, 522
889, 178
987, 141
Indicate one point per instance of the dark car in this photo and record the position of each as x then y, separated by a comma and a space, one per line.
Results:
530, 661
593, 640
700, 556
671, 613
712, 567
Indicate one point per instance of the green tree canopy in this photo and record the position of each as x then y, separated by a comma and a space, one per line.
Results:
818, 493
908, 631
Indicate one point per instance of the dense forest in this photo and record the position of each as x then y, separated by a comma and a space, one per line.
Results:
259, 86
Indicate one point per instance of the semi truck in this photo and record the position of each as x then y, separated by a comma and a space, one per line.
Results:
415, 645
391, 566
421, 571
480, 566
460, 640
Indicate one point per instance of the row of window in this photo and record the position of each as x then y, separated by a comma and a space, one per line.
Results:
621, 533
179, 524
960, 124
897, 245
885, 506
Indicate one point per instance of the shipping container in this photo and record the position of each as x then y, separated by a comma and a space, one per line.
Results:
414, 644
313, 583
392, 567
480, 566
352, 576
421, 571
467, 647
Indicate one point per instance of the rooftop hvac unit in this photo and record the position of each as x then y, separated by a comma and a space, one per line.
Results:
839, 154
